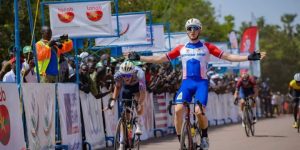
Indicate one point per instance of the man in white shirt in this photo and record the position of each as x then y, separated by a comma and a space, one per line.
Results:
28, 73
11, 75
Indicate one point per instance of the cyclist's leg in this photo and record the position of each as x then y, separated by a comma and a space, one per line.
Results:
183, 95
178, 119
201, 96
241, 102
295, 111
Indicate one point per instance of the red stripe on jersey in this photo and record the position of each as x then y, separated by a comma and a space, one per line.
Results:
214, 50
175, 52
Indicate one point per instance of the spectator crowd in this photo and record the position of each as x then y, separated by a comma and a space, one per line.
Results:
96, 72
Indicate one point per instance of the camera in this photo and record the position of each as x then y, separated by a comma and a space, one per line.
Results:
58, 42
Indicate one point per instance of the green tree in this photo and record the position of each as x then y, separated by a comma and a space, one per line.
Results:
287, 19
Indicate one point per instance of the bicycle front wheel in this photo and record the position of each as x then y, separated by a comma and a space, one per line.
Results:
136, 137
186, 141
120, 136
252, 124
196, 137
246, 122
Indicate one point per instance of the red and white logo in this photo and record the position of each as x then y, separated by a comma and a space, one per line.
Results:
66, 15
4, 120
94, 13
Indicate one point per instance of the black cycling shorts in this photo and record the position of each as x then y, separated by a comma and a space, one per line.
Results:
130, 90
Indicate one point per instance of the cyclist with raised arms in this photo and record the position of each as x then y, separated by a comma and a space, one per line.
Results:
245, 87
132, 79
195, 57
294, 92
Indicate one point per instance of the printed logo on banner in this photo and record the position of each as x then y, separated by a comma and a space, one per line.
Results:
65, 14
34, 119
123, 28
72, 119
48, 118
94, 13
4, 120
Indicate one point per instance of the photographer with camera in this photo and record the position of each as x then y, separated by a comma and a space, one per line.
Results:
48, 54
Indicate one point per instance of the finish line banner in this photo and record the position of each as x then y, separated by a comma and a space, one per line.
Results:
176, 39
11, 126
132, 31
158, 41
69, 110
81, 19
39, 104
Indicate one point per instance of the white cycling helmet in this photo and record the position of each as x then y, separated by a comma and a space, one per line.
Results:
193, 22
127, 67
297, 77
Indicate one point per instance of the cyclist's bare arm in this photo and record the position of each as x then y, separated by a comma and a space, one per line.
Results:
155, 59
142, 96
117, 90
238, 58
236, 93
255, 91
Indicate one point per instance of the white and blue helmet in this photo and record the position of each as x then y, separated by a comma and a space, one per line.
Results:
193, 22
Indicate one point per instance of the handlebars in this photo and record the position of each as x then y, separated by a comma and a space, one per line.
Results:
169, 107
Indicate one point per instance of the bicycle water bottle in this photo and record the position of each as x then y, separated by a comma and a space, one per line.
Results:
129, 129
192, 131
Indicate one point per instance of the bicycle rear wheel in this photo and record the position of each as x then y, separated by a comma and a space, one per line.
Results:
298, 120
186, 141
120, 138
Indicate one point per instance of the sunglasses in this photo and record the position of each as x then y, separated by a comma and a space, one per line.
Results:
193, 28
127, 75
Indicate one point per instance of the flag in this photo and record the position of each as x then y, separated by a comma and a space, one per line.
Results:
249, 39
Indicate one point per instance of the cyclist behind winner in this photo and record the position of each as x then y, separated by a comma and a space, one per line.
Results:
132, 79
294, 92
246, 87
194, 57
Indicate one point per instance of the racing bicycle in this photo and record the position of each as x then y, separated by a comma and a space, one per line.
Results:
126, 126
190, 132
248, 117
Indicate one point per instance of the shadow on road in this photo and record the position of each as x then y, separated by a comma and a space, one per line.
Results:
274, 136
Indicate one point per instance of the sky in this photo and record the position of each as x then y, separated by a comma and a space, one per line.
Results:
271, 10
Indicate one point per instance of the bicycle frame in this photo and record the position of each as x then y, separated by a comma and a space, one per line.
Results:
126, 123
191, 128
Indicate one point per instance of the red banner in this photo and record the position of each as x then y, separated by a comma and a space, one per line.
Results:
248, 39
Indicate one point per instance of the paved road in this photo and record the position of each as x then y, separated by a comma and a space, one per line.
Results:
271, 134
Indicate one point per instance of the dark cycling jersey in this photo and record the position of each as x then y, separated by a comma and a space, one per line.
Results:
246, 88
136, 84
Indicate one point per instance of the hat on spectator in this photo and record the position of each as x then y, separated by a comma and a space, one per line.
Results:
27, 49
210, 73
99, 64
138, 63
13, 60
215, 76
113, 60
83, 55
